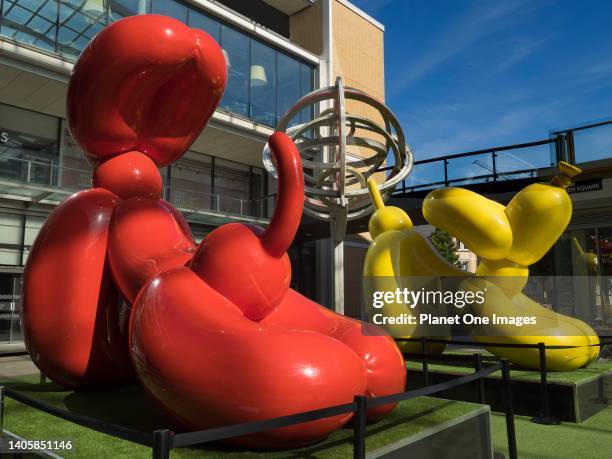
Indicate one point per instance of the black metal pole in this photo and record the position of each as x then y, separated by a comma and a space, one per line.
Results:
445, 172
494, 160
359, 427
162, 440
509, 409
43, 378
571, 152
543, 380
425, 362
560, 147
545, 417
481, 387
1, 409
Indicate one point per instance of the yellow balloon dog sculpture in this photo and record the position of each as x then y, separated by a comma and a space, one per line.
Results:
401, 258
508, 240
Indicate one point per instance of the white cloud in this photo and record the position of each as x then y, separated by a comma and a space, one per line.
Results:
522, 49
474, 24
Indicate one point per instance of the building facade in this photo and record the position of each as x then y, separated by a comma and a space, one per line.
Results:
276, 51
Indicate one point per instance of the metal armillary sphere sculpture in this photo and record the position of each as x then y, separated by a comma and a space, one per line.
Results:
336, 178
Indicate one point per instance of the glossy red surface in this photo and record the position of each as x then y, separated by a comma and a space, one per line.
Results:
384, 364
146, 237
216, 337
249, 265
276, 352
71, 317
147, 83
209, 366
129, 175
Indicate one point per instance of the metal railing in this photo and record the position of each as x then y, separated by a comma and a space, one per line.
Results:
49, 178
163, 441
545, 416
575, 145
487, 159
194, 200
43, 173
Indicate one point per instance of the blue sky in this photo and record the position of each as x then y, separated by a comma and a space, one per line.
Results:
469, 74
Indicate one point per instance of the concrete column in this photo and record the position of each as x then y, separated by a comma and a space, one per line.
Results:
330, 253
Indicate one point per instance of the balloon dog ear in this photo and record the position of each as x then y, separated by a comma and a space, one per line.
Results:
147, 83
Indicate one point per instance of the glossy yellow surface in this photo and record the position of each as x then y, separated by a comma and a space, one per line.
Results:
399, 257
536, 217
508, 240
552, 328
481, 224
385, 218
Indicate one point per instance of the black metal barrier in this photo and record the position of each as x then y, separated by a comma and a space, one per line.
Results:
545, 416
162, 441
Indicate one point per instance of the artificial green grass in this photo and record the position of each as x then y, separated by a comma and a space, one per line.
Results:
591, 439
130, 408
561, 377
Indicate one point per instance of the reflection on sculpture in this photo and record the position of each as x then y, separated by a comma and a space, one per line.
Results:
215, 334
507, 239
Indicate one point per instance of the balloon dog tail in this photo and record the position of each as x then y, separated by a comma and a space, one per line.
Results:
279, 235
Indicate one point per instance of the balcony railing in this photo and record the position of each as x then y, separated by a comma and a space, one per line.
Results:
49, 181
576, 145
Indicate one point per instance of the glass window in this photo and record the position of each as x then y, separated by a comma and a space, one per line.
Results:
208, 25
79, 22
31, 22
288, 91
306, 86
10, 246
29, 146
10, 306
123, 8
170, 8
231, 186
32, 228
254, 68
191, 181
258, 206
236, 97
75, 173
262, 82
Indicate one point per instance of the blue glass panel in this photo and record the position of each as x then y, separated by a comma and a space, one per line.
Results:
30, 22
510, 163
205, 23
288, 91
593, 143
426, 175
262, 83
79, 22
236, 97
470, 169
123, 8
306, 86
170, 8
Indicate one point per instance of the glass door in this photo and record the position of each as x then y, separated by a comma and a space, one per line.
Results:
10, 307
605, 273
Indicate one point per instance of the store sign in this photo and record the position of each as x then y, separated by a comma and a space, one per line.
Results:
4, 137
585, 185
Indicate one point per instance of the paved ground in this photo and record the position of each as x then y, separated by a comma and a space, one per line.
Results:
15, 366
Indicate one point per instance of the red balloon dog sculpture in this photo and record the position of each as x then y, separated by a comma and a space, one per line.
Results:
213, 332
